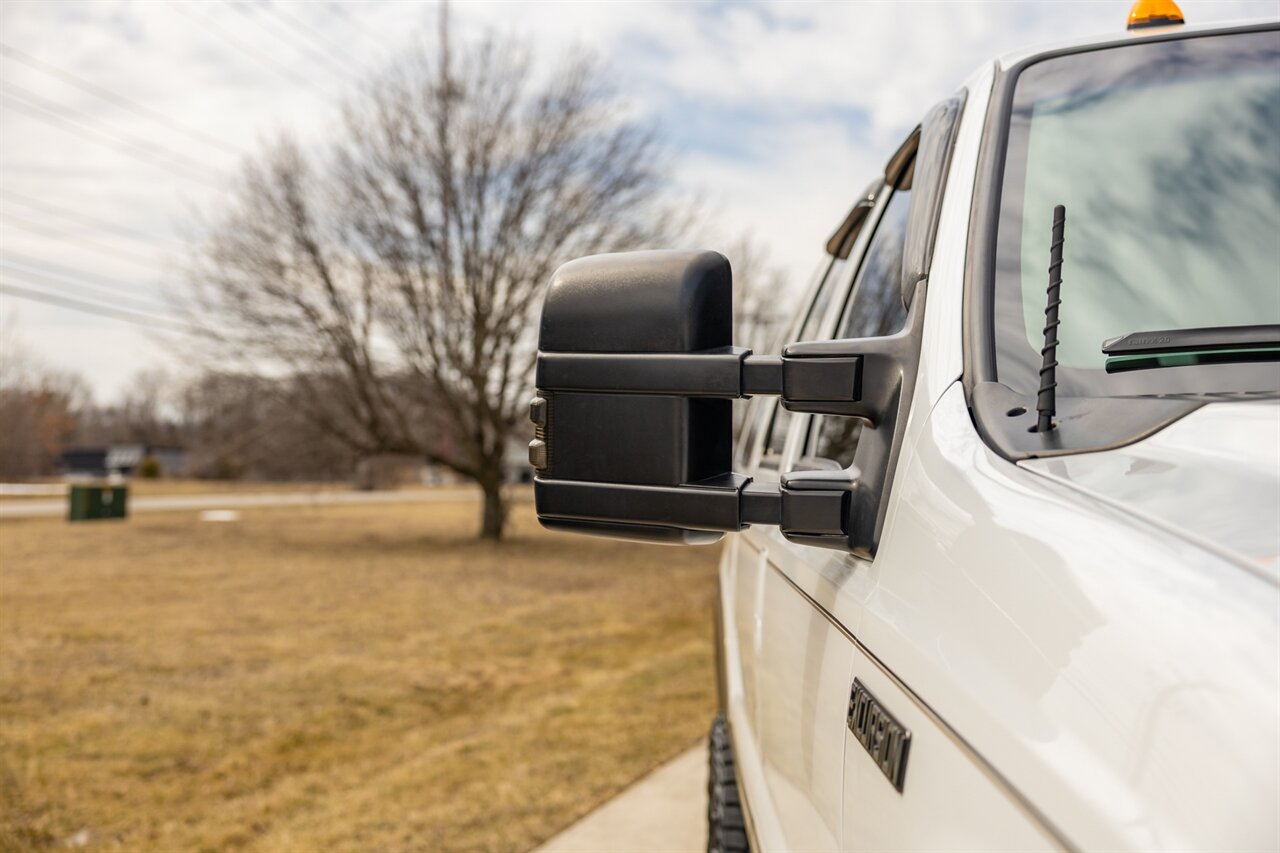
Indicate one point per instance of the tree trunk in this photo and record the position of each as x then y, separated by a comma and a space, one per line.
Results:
495, 509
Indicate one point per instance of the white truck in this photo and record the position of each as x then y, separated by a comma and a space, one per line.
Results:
1002, 566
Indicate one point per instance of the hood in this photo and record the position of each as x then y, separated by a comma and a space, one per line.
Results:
1212, 477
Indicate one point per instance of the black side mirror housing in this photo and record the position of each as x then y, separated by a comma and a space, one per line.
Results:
636, 374
642, 302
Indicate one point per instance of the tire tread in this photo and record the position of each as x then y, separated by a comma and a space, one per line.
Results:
726, 828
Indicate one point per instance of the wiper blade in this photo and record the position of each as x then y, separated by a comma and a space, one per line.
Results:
1181, 347
1213, 337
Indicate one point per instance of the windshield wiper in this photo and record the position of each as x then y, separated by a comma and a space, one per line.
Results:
1181, 347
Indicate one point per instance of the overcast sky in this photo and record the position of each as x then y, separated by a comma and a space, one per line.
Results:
777, 114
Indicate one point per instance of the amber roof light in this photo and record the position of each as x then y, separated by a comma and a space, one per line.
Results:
1154, 13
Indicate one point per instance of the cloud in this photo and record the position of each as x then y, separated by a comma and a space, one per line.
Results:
778, 113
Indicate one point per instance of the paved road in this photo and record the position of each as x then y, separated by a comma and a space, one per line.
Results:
665, 812
233, 500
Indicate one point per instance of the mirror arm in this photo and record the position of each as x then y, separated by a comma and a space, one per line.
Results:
810, 506
708, 373
828, 382
761, 374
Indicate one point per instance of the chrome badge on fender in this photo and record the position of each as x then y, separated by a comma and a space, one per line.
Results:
880, 734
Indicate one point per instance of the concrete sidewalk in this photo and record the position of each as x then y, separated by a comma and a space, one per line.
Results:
665, 812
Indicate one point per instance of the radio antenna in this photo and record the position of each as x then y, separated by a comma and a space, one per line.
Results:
1047, 399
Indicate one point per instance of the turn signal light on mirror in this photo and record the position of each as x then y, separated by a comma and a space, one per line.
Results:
1154, 13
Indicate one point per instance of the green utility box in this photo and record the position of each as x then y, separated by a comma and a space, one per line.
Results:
89, 503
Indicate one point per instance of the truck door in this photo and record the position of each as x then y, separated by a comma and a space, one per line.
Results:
743, 575
804, 660
908, 784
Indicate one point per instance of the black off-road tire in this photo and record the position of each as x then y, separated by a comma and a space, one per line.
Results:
726, 830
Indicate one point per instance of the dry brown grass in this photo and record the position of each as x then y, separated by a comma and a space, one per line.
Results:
337, 678
139, 487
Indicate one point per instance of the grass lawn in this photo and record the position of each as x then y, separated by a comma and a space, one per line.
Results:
336, 678
139, 487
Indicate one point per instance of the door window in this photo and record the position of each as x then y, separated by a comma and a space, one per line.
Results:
776, 441
875, 310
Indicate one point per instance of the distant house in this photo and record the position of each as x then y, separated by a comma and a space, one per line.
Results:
83, 462
122, 459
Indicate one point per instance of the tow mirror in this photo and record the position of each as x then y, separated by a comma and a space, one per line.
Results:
636, 374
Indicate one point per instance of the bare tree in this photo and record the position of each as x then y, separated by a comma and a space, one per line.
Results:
38, 410
761, 299
396, 277
239, 426
144, 413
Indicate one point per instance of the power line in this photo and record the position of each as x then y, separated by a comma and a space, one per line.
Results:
354, 22
84, 307
42, 279
263, 58
51, 268
313, 34
119, 100
180, 158
125, 146
297, 40
76, 216
65, 237
45, 280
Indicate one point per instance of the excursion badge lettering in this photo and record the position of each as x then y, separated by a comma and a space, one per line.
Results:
882, 736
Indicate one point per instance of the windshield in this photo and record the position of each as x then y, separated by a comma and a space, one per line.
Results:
1167, 158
